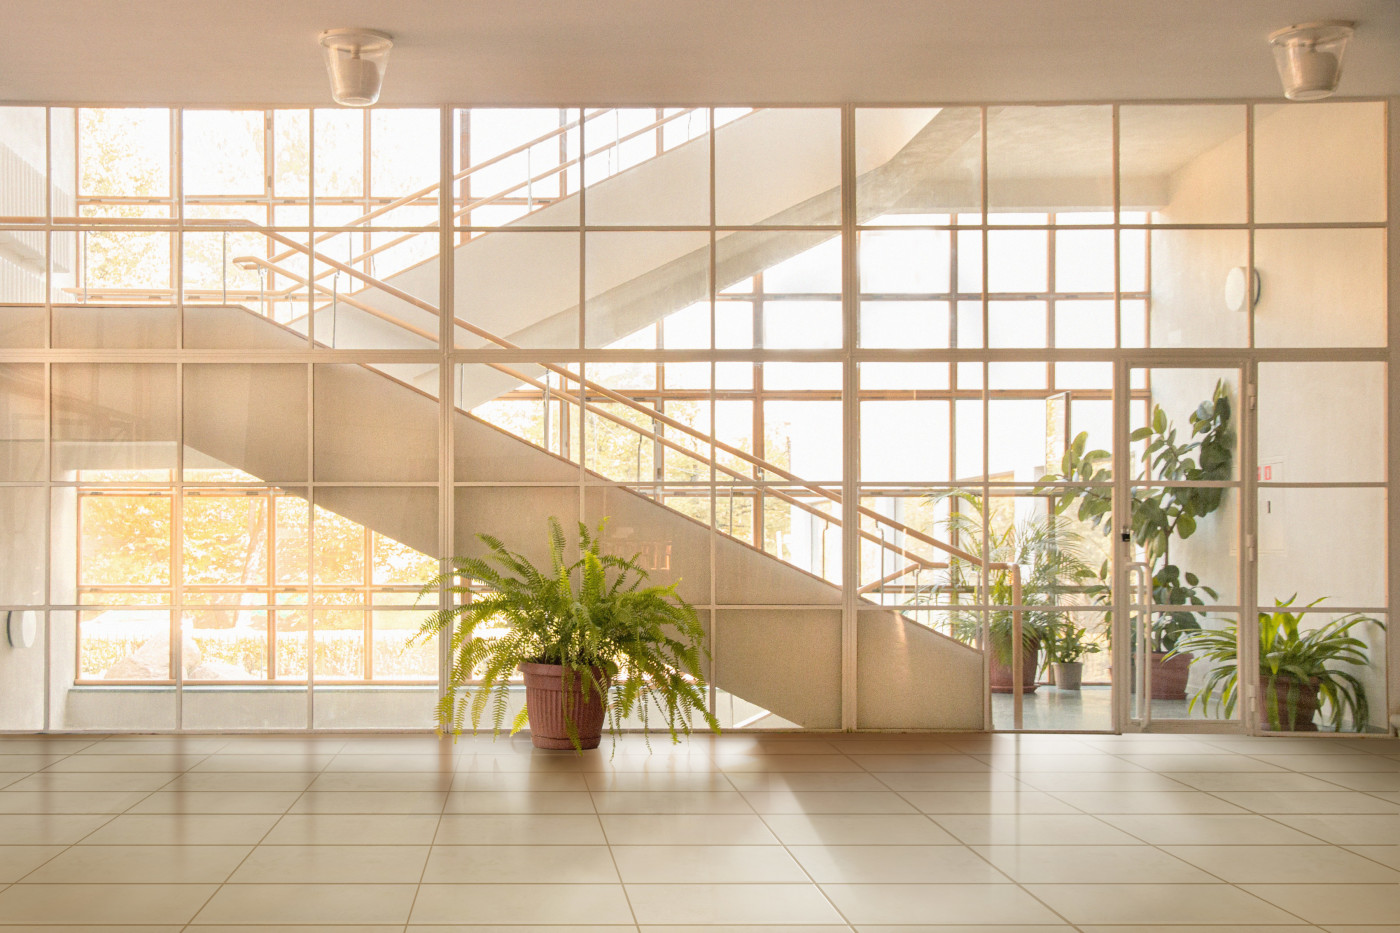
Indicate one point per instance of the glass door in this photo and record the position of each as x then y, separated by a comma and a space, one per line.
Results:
1179, 532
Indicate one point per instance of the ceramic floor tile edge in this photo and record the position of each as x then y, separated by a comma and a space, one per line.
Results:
254, 848
612, 856
456, 761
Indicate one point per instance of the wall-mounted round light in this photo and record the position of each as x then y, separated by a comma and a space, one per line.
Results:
356, 59
1309, 58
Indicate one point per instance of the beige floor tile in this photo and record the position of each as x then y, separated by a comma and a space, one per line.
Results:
353, 829
816, 801
884, 764
697, 864
282, 745
952, 781
1208, 829
141, 904
1285, 864
286, 904
937, 904
531, 928
252, 801
895, 744
269, 782
841, 829
535, 782
260, 763
18, 861
1385, 854
169, 764
890, 863
26, 763
1031, 829
1335, 903
507, 864
65, 781
504, 801
1214, 904
416, 801
171, 864
738, 928
1346, 830
753, 904
29, 829
768, 762
1338, 801
379, 781
336, 864
1161, 801
162, 829
87, 801
1091, 864
521, 903
1061, 764
830, 781
156, 745
413, 764
679, 781
1117, 781
1213, 781
567, 762
1323, 764
1202, 763
300, 928
625, 829
44, 744
564, 829
1029, 801
712, 802
1196, 928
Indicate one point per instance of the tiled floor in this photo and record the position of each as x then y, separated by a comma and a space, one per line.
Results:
786, 833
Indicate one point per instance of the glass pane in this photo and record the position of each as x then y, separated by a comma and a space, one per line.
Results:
635, 280
21, 422
231, 644
23, 160
1319, 163
1322, 422
1345, 656
665, 156
917, 165
24, 514
520, 287
353, 402
122, 153
517, 166
114, 417
1050, 158
223, 153
754, 661
1183, 163
1320, 288
245, 422
779, 166
404, 156
1188, 299
339, 152
1348, 572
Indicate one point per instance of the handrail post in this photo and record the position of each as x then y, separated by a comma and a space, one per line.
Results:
1018, 659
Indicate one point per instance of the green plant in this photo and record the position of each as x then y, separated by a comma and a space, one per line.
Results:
1291, 659
1158, 514
1068, 644
1049, 556
637, 646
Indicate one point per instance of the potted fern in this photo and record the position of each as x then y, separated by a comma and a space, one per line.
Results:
1297, 672
1066, 650
594, 642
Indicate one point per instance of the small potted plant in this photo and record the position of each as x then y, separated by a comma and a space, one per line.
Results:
1066, 652
1297, 672
595, 645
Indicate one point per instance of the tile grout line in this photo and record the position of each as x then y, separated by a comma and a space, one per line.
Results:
223, 884
432, 843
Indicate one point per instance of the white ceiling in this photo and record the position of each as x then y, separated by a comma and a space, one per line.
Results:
477, 52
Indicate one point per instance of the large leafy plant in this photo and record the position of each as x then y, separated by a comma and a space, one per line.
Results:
1291, 659
640, 647
1159, 514
1050, 558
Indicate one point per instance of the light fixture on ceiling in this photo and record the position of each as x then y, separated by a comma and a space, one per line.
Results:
1309, 58
356, 59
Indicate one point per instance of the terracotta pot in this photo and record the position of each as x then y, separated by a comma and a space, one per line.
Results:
1001, 680
546, 703
1307, 704
1169, 676
1069, 675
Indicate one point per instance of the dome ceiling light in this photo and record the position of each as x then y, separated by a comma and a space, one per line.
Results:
1309, 58
356, 59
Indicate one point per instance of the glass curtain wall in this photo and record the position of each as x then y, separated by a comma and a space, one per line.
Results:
854, 377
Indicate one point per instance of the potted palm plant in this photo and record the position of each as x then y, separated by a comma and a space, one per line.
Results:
1297, 675
594, 642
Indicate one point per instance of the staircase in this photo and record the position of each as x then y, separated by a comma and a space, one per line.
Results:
785, 663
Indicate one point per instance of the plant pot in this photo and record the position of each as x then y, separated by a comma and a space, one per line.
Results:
546, 702
1169, 676
1307, 704
1000, 679
1069, 675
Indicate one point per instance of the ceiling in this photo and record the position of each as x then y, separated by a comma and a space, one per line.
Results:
600, 52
